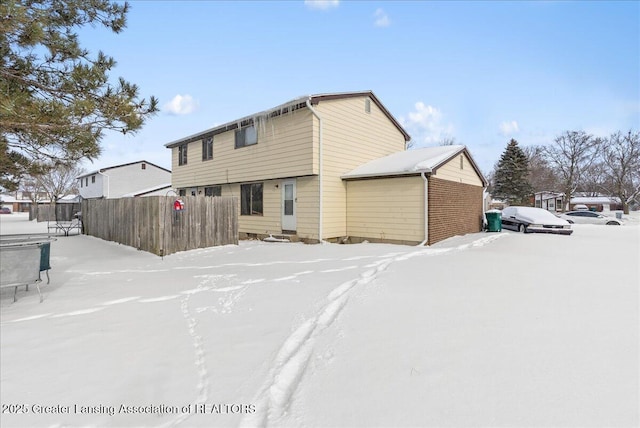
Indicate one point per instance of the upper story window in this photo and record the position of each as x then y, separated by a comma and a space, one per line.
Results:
182, 154
143, 166
207, 148
367, 105
461, 162
246, 136
93, 179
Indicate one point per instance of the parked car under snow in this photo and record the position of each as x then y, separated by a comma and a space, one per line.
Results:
529, 220
590, 217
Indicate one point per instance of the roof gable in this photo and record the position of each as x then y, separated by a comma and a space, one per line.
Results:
315, 99
411, 162
121, 166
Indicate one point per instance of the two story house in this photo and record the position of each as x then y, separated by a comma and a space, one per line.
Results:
289, 167
139, 178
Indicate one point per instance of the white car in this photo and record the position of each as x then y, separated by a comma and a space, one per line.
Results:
530, 219
589, 217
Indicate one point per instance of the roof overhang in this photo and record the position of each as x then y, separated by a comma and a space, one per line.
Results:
295, 104
102, 170
287, 107
349, 177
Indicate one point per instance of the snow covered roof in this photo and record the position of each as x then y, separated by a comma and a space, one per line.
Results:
69, 199
547, 195
142, 192
120, 166
295, 104
9, 199
409, 162
595, 200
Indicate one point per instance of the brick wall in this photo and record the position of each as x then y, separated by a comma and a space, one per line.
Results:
454, 209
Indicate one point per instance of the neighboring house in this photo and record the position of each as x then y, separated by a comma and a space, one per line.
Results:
22, 200
597, 203
131, 179
497, 204
289, 167
15, 203
550, 201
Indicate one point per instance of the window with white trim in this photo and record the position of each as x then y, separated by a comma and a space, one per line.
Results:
182, 154
207, 148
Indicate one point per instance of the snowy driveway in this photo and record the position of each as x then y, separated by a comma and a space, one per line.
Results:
486, 329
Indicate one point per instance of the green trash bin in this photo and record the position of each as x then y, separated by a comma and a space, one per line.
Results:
45, 251
494, 221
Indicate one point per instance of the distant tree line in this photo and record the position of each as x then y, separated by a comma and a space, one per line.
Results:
576, 162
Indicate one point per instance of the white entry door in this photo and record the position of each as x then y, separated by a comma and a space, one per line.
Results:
289, 205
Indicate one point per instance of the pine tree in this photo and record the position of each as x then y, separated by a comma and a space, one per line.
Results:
511, 178
55, 98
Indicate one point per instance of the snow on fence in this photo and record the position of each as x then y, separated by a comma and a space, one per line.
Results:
153, 224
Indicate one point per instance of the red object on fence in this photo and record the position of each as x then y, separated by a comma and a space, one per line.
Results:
178, 205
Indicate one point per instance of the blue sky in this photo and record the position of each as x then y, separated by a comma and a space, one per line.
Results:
480, 72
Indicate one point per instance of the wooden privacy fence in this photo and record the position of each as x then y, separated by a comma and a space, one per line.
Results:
152, 224
63, 211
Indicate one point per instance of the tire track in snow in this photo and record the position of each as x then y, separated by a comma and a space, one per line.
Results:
293, 357
288, 367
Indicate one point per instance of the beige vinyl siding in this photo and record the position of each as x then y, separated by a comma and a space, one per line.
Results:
386, 209
351, 137
284, 149
307, 207
451, 171
271, 220
267, 223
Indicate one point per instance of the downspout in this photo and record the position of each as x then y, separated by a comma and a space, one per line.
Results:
485, 194
425, 180
315, 113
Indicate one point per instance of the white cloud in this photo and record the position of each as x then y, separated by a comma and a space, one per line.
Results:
382, 19
425, 124
321, 4
509, 128
181, 104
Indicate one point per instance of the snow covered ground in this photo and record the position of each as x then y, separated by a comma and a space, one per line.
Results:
500, 329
